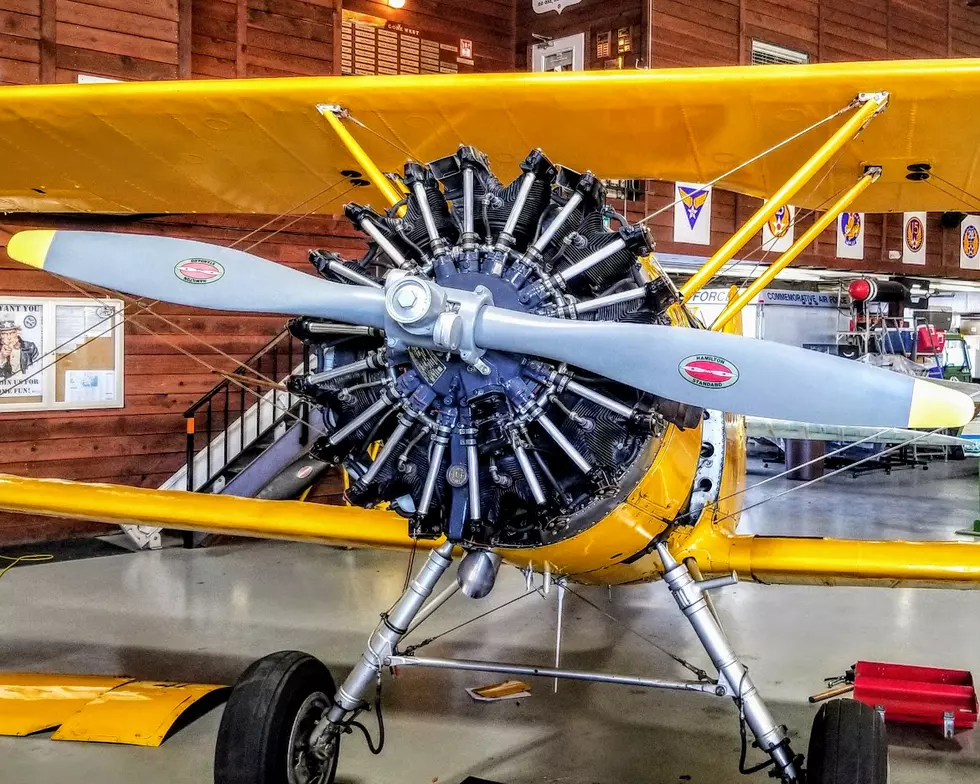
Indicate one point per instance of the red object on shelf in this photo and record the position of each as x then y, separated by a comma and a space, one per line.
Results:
931, 340
918, 695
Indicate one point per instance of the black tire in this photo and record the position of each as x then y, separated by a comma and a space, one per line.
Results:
254, 740
847, 745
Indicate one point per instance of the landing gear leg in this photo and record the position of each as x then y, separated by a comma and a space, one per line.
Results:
394, 625
690, 596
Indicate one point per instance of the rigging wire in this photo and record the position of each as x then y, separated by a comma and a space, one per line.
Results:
759, 156
702, 675
131, 319
887, 451
933, 175
383, 138
146, 310
428, 640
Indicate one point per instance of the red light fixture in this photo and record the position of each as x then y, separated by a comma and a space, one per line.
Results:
860, 289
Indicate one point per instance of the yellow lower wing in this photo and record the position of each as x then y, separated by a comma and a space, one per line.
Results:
221, 514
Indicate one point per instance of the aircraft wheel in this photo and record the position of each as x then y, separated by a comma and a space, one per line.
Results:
265, 729
847, 745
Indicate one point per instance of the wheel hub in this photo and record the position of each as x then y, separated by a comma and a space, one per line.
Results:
306, 765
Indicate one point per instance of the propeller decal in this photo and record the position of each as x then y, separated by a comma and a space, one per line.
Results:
705, 370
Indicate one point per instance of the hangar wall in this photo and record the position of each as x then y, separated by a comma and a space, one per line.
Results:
55, 41
681, 33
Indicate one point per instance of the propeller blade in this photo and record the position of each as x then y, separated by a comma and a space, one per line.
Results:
198, 274
730, 373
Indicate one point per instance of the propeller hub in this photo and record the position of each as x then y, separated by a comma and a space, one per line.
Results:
412, 301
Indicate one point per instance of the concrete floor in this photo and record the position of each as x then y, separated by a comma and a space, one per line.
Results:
204, 615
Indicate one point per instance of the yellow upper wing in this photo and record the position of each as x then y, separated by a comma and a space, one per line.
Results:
261, 146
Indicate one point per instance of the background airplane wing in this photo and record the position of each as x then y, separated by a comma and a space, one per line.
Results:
240, 146
761, 427
221, 514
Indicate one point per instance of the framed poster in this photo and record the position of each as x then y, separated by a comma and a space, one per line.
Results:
58, 353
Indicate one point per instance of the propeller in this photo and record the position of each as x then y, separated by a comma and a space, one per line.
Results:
198, 274
729, 372
699, 367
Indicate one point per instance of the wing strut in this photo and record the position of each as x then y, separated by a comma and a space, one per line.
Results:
870, 105
335, 115
821, 223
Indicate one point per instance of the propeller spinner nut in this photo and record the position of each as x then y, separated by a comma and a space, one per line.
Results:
411, 301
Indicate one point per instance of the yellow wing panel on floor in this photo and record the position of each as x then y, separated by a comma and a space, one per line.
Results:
139, 713
33, 702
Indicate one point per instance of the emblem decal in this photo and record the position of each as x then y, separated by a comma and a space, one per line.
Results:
971, 242
779, 222
914, 234
850, 227
706, 370
199, 270
693, 200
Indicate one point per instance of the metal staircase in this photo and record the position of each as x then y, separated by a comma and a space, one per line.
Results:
245, 430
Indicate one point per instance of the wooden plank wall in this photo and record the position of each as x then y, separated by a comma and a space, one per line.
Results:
255, 38
166, 370
56, 40
719, 32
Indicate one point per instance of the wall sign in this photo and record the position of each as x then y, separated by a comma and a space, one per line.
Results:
850, 235
692, 213
777, 232
375, 45
21, 346
60, 353
970, 242
544, 6
914, 238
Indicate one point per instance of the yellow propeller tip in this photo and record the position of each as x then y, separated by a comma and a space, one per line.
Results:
30, 247
935, 406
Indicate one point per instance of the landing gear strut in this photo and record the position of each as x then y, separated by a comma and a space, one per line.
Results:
284, 720
691, 597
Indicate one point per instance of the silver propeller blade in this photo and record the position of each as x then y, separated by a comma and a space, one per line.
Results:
731, 373
198, 274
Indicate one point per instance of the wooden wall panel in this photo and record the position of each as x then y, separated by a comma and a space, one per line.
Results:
143, 443
964, 26
115, 39
918, 29
710, 37
791, 23
20, 41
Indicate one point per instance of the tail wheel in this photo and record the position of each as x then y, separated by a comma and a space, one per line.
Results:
265, 729
847, 745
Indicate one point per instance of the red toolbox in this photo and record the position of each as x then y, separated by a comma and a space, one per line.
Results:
918, 695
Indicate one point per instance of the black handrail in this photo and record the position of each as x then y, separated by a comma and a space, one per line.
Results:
275, 360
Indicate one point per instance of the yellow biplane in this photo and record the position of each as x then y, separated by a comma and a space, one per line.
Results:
542, 395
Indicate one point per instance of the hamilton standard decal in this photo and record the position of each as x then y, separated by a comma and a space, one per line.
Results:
199, 270
706, 370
